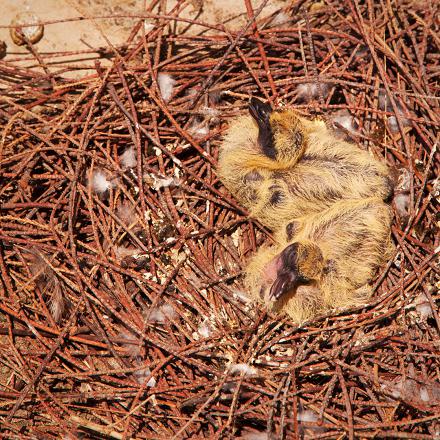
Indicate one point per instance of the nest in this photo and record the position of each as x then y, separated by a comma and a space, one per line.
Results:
122, 313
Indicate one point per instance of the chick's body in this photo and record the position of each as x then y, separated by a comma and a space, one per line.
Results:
324, 200
329, 170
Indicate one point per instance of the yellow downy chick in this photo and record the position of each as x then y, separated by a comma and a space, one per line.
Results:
325, 200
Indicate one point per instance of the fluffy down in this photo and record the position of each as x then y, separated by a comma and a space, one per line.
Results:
324, 198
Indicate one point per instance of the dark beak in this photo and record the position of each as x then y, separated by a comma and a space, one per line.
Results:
285, 282
261, 112
287, 274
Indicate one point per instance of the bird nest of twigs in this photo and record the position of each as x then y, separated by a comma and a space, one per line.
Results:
122, 312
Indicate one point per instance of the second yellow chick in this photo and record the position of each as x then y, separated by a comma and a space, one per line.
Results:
324, 198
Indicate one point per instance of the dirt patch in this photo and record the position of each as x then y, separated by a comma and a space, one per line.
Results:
88, 26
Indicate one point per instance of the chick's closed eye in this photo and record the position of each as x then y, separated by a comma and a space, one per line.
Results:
323, 198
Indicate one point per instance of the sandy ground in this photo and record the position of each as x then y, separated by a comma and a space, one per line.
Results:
81, 36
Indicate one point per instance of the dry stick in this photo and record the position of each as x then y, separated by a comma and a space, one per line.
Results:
210, 398
35, 53
314, 65
387, 88
102, 430
136, 137
47, 331
253, 73
58, 154
5, 280
347, 402
416, 215
252, 17
415, 270
231, 47
275, 400
71, 220
411, 221
177, 161
98, 299
45, 361
284, 405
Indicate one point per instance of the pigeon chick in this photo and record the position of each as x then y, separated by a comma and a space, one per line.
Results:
325, 200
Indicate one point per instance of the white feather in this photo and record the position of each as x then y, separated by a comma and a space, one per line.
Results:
384, 102
404, 181
128, 158
143, 375
393, 124
148, 26
126, 212
306, 89
210, 113
131, 343
401, 202
396, 393
280, 19
123, 251
423, 307
345, 120
199, 130
204, 330
254, 436
309, 91
247, 370
163, 182
57, 304
100, 183
436, 188
162, 314
156, 315
307, 416
242, 296
166, 85
424, 394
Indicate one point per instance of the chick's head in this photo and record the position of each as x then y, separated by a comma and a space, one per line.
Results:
298, 263
281, 135
288, 135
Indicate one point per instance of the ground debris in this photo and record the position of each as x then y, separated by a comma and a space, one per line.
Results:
150, 334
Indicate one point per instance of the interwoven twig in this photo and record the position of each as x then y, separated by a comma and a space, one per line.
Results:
122, 313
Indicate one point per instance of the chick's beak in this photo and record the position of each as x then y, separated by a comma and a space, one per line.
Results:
285, 282
287, 277
261, 112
